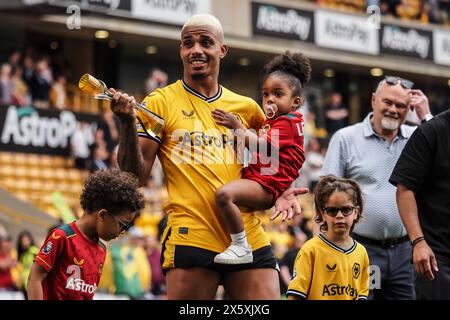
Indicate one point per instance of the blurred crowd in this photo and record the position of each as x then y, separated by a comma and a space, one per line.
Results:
28, 78
424, 11
15, 262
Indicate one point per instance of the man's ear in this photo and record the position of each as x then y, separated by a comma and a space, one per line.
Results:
223, 51
374, 97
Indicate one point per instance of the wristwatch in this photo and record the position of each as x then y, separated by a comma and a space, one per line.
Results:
427, 117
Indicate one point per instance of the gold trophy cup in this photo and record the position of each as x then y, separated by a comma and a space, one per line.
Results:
150, 122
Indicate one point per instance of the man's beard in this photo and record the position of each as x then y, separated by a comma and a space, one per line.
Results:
391, 124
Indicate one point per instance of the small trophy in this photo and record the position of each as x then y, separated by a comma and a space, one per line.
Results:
150, 122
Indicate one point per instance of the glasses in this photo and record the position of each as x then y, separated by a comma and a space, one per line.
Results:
333, 211
391, 80
124, 226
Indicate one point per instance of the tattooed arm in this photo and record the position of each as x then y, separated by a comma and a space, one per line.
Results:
135, 155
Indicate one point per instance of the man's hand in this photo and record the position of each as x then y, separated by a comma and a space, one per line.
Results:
424, 260
122, 106
419, 102
226, 119
287, 204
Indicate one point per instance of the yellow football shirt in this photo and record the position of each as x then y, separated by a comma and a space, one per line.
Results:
324, 271
198, 156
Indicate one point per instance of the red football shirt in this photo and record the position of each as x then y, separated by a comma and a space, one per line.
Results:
74, 264
277, 170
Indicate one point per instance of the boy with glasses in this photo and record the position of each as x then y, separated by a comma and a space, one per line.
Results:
70, 263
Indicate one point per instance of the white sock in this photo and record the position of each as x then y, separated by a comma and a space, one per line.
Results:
239, 238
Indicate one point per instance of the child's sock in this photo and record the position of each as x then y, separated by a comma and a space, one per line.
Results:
239, 239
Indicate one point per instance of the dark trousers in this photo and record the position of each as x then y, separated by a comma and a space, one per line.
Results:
437, 289
391, 272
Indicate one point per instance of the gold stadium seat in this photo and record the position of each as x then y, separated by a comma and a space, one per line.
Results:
20, 159
21, 171
6, 170
6, 157
22, 195
34, 178
21, 184
34, 173
8, 182
60, 174
36, 185
70, 162
59, 161
48, 185
48, 173
74, 174
46, 161
33, 160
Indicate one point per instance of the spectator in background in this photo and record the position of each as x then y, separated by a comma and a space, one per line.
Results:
6, 85
158, 280
7, 264
280, 239
40, 84
444, 6
21, 94
58, 93
26, 252
157, 174
312, 168
150, 191
130, 267
100, 139
336, 114
156, 79
434, 14
28, 70
387, 8
79, 143
408, 10
310, 127
288, 260
14, 58
108, 124
3, 232
99, 158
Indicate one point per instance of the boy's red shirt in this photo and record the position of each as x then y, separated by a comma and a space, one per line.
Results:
74, 264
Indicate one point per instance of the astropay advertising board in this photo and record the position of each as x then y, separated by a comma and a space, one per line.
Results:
345, 32
441, 47
282, 22
169, 11
30, 130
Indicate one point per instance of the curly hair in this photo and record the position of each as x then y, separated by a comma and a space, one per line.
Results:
329, 184
113, 190
296, 67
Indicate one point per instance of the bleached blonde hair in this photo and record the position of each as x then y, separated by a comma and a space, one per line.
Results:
205, 20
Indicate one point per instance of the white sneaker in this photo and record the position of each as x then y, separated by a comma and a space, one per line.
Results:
235, 254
